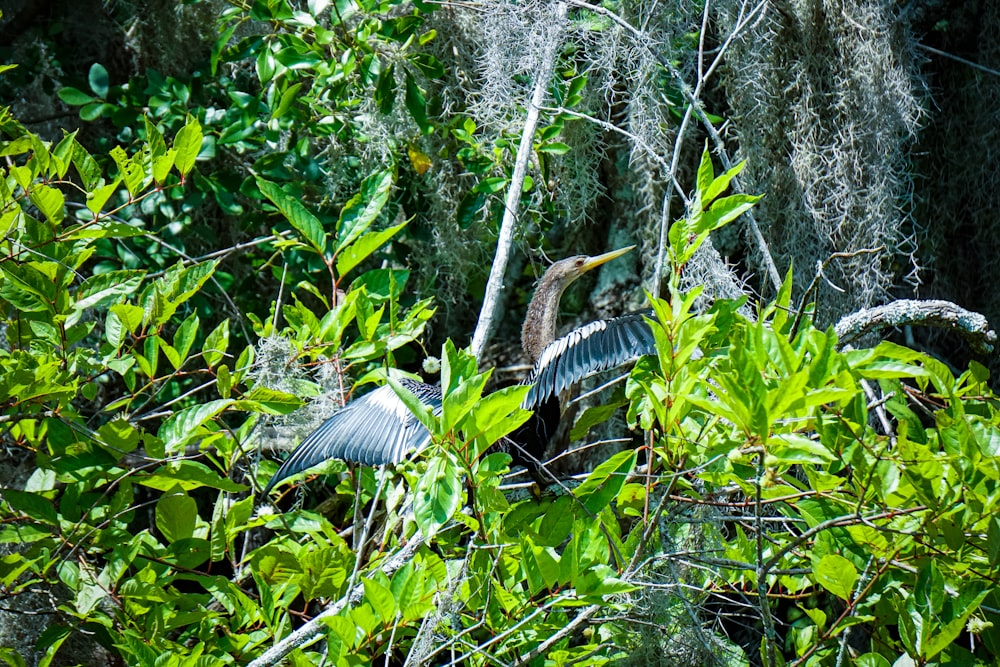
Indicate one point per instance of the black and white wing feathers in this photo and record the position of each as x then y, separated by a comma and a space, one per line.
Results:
379, 429
594, 347
375, 429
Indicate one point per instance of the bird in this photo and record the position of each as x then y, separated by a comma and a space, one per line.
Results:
378, 428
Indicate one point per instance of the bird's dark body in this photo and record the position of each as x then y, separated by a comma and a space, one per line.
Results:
378, 429
527, 444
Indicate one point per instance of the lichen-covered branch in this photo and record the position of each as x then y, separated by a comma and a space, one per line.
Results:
972, 326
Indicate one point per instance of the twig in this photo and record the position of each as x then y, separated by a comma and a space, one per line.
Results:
820, 268
423, 643
611, 127
361, 543
693, 99
945, 54
770, 635
661, 248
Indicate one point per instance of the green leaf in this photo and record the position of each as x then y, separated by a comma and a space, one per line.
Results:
129, 315
706, 174
602, 485
106, 229
266, 65
459, 401
104, 289
190, 552
417, 104
50, 640
361, 249
224, 381
837, 575
288, 98
268, 401
317, 7
169, 352
62, 154
91, 112
953, 617
98, 80
497, 414
794, 448
296, 213
406, 586
721, 184
872, 660
86, 166
49, 201
33, 505
592, 416
216, 344
161, 300
492, 185
131, 170
155, 144
187, 425
725, 211
26, 288
75, 97
185, 335
385, 89
98, 197
176, 515
554, 148
187, 143
438, 495
187, 476
162, 165
362, 209
541, 566
470, 206
602, 580
423, 413
381, 600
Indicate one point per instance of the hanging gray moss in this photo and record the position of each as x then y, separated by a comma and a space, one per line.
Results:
826, 102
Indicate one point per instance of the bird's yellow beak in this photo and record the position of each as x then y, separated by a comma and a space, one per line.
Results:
597, 260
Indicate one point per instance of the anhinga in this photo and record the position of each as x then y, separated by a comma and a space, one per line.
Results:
378, 428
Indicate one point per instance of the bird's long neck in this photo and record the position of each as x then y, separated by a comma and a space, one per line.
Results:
540, 323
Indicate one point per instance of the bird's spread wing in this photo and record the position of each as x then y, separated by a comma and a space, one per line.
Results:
375, 429
594, 347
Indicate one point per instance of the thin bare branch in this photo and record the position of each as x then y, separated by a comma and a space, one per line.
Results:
494, 285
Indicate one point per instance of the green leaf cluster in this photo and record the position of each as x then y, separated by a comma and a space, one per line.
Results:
857, 525
845, 492
134, 401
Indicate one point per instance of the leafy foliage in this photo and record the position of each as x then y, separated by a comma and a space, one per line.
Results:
847, 497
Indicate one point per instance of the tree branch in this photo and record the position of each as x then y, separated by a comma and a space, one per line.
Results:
491, 300
973, 327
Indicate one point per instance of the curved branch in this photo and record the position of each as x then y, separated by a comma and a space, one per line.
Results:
973, 327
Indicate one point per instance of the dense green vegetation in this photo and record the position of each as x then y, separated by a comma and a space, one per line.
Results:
794, 502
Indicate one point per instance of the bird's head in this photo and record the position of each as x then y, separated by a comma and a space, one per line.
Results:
540, 323
565, 271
